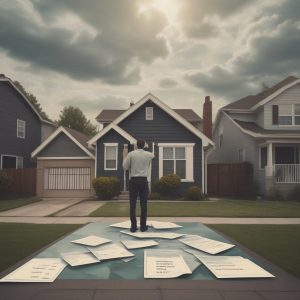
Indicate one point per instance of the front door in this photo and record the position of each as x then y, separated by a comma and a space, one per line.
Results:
286, 155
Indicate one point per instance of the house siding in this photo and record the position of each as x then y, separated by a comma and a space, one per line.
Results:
163, 129
290, 96
62, 146
13, 107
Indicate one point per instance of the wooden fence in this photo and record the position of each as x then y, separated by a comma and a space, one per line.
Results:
24, 181
229, 180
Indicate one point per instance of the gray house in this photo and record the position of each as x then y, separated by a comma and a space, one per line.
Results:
22, 128
174, 136
263, 129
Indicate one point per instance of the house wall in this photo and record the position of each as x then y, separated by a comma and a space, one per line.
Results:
62, 146
47, 130
163, 129
13, 107
290, 96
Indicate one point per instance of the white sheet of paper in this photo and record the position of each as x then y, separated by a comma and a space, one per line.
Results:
92, 240
110, 251
79, 258
205, 244
163, 225
37, 270
158, 265
153, 235
233, 267
124, 225
131, 244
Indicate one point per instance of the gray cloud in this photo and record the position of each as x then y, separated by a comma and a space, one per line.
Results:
168, 83
124, 38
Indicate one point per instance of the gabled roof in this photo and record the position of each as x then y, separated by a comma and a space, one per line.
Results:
164, 107
76, 137
109, 115
6, 79
252, 101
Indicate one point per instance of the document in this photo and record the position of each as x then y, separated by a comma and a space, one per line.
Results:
233, 267
205, 244
163, 225
129, 244
164, 264
111, 251
92, 240
75, 259
153, 235
124, 225
37, 270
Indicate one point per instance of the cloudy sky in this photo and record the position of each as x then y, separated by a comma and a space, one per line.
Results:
98, 54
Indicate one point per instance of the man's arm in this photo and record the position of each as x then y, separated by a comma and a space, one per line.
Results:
126, 162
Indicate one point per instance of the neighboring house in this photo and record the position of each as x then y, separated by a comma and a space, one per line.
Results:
65, 165
263, 129
22, 128
173, 135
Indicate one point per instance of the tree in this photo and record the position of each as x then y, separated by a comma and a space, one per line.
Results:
32, 100
74, 118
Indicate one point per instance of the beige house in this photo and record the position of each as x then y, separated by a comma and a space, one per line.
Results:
65, 165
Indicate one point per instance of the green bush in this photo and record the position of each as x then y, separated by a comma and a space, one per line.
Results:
168, 185
107, 188
275, 194
194, 193
5, 182
294, 195
154, 196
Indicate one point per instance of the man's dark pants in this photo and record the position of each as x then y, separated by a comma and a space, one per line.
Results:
138, 186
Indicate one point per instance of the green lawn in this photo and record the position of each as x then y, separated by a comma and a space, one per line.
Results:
21, 240
14, 203
222, 208
279, 244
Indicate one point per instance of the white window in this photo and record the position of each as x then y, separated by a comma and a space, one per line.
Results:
289, 114
21, 129
241, 154
149, 113
176, 159
111, 156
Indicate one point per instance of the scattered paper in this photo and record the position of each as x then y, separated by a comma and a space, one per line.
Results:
164, 264
153, 235
205, 244
233, 267
163, 225
124, 225
92, 240
110, 251
131, 244
128, 259
37, 270
75, 259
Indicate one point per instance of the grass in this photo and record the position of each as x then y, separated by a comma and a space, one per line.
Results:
20, 240
279, 244
222, 208
14, 203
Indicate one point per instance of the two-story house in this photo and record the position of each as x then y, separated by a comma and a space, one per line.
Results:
22, 128
263, 129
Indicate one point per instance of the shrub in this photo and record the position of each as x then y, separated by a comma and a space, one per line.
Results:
5, 182
275, 194
294, 195
168, 185
194, 193
107, 188
154, 196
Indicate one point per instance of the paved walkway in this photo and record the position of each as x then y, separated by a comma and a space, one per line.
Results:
204, 220
81, 209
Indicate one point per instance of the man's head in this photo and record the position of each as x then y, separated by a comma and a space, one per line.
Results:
140, 144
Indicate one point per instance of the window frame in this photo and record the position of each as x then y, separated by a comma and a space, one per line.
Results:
23, 126
149, 113
293, 115
19, 161
116, 145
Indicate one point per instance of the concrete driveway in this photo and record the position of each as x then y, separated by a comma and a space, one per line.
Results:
42, 208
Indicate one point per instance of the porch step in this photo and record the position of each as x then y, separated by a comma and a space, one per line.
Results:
123, 196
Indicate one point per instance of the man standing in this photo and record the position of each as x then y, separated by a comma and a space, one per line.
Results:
138, 162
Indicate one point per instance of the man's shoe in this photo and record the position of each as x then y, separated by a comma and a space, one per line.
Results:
133, 229
143, 229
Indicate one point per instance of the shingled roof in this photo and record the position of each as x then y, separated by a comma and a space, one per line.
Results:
109, 115
249, 101
80, 137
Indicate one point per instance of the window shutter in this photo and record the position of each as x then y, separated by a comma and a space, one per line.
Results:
275, 114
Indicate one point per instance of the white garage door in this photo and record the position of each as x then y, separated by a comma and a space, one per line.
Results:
67, 179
